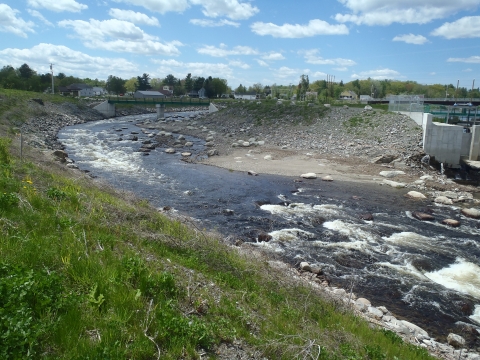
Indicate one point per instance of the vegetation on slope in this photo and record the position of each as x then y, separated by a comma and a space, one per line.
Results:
88, 273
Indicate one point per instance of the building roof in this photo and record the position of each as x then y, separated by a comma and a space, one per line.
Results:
78, 86
149, 93
247, 93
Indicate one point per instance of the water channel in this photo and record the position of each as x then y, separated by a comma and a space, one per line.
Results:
424, 272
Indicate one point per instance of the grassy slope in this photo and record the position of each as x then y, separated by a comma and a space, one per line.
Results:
87, 273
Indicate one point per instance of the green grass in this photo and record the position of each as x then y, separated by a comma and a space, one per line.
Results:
88, 273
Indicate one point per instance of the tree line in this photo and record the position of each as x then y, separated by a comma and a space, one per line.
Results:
25, 78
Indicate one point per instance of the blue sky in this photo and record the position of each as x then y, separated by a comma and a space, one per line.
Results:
429, 41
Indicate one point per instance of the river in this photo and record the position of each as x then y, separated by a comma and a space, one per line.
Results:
424, 272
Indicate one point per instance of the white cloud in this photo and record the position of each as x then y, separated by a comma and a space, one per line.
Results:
119, 36
319, 74
341, 68
380, 74
9, 22
240, 64
273, 56
213, 23
286, 72
411, 39
58, 5
380, 12
311, 57
134, 17
232, 9
222, 51
37, 14
160, 6
469, 60
467, 70
313, 28
180, 69
466, 27
261, 62
68, 61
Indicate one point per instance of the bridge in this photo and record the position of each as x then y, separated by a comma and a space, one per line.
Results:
108, 109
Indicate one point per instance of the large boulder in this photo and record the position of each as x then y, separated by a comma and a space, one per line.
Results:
384, 159
391, 174
443, 200
471, 213
394, 184
415, 195
327, 178
60, 155
309, 176
451, 222
422, 216
455, 340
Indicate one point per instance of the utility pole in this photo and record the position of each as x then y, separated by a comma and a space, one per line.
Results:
51, 69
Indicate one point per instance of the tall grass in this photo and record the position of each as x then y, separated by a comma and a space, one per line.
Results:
87, 274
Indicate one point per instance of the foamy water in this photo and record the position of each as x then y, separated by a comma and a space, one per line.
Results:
462, 276
315, 221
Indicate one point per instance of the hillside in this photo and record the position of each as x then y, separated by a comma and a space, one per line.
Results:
91, 272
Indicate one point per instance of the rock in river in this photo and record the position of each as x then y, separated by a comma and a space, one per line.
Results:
422, 216
471, 213
309, 176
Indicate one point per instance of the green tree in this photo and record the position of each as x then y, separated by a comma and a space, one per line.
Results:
115, 85
241, 89
170, 80
143, 82
25, 71
198, 83
131, 84
178, 88
188, 83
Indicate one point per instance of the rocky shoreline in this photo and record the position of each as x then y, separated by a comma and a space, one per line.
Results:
396, 138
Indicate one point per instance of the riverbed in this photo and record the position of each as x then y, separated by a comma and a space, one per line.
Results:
424, 272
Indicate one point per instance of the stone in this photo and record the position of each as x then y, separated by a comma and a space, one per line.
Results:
366, 217
268, 157
309, 176
451, 222
305, 266
384, 159
245, 144
261, 142
471, 213
415, 195
327, 178
327, 105
455, 340
443, 200
382, 309
374, 312
450, 194
391, 174
188, 144
170, 151
61, 155
209, 138
422, 216
228, 212
181, 137
368, 107
394, 184
212, 152
251, 172
417, 330
264, 237
209, 144
362, 304
340, 292
426, 177
186, 154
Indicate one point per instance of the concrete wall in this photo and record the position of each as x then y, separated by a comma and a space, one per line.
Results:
415, 116
475, 144
108, 110
447, 143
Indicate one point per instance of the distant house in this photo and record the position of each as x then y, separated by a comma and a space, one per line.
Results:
193, 94
202, 93
77, 90
252, 95
99, 91
365, 98
148, 94
167, 92
348, 95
